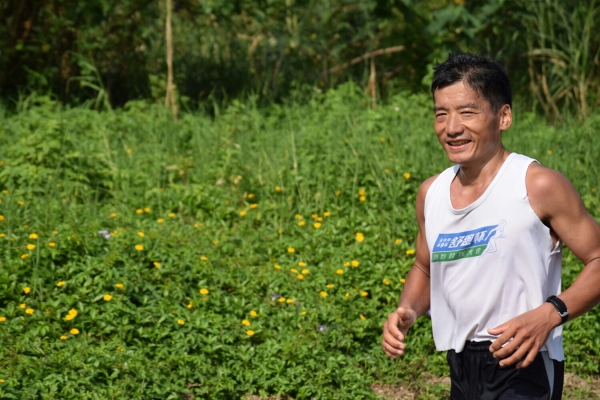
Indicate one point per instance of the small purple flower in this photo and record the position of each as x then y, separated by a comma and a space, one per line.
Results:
275, 296
429, 312
322, 328
107, 236
102, 232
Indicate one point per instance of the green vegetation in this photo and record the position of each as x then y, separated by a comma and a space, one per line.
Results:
183, 296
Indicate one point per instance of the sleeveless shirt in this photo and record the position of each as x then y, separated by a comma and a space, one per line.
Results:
490, 261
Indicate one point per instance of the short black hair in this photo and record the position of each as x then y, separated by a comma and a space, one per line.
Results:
483, 74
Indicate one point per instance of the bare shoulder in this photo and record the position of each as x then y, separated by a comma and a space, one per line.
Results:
549, 190
424, 188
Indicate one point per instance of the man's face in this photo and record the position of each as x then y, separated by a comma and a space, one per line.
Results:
466, 126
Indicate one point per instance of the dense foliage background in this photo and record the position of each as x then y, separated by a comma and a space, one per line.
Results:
255, 251
98, 49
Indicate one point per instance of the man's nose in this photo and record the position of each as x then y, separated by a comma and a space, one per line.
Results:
453, 125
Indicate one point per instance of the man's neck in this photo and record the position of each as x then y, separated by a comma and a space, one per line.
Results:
482, 172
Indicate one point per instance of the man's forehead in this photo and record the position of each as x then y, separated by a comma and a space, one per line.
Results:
457, 96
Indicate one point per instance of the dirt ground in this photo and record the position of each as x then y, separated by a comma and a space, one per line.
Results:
575, 388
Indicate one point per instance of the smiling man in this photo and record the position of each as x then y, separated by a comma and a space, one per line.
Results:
489, 248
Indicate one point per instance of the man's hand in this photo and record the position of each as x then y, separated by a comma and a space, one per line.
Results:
394, 331
528, 331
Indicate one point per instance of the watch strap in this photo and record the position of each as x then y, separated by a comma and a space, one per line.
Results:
560, 307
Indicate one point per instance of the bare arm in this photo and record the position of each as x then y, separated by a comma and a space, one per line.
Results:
557, 203
414, 300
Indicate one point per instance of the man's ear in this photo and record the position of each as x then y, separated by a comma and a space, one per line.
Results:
505, 117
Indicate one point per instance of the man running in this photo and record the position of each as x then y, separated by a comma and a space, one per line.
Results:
499, 316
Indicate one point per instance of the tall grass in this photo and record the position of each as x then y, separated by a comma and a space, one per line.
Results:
69, 173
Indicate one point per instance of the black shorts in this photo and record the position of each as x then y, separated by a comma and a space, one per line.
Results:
476, 375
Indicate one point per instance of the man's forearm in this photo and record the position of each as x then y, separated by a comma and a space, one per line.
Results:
416, 292
584, 293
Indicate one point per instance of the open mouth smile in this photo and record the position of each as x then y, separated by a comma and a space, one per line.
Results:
458, 143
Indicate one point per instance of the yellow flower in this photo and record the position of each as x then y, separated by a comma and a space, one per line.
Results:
69, 317
204, 291
107, 297
242, 213
386, 281
26, 290
181, 322
387, 171
190, 304
215, 242
347, 264
549, 152
171, 215
355, 263
362, 317
317, 225
303, 313
128, 151
301, 223
291, 250
2, 235
402, 280
323, 294
410, 252
141, 234
61, 283
294, 270
339, 271
250, 332
289, 301
314, 216
139, 247
119, 348
330, 286
253, 205
246, 322
250, 195
361, 192
160, 220
300, 277
55, 232
277, 266
139, 211
203, 258
398, 241
1, 218
22, 305
326, 214
5, 191
21, 203
406, 175
73, 312
30, 311
24, 256
30, 246
120, 286
347, 295
305, 271
147, 209
338, 192
298, 216
301, 264
364, 294
281, 299
362, 198
33, 236
52, 244
278, 188
113, 214
63, 337
2, 319
360, 237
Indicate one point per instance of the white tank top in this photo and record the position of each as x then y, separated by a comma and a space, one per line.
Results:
490, 261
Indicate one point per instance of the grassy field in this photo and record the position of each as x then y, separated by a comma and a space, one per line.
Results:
253, 252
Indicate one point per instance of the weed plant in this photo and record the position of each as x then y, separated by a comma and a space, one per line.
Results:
257, 251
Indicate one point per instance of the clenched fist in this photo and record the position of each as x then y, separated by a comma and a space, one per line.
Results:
394, 331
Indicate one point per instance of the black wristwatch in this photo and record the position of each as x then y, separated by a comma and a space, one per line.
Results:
560, 307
